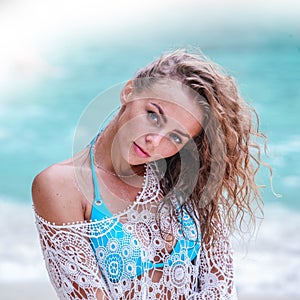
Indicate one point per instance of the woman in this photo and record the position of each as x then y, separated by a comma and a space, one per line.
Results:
146, 210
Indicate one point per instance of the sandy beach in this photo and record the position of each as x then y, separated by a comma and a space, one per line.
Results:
27, 291
43, 290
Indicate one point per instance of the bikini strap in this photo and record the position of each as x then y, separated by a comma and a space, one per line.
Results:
97, 198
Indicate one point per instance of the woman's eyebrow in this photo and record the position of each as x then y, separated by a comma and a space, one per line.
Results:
161, 112
182, 133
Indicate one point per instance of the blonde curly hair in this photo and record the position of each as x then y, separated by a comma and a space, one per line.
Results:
224, 150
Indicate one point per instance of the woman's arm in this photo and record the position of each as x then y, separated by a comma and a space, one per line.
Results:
69, 258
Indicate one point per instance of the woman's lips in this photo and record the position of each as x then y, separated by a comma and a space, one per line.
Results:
140, 151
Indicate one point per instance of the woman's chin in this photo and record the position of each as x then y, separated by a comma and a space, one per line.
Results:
138, 162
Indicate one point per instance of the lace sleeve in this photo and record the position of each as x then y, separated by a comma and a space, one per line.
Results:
70, 261
216, 275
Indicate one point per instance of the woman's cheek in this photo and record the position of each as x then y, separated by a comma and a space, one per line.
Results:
168, 148
132, 128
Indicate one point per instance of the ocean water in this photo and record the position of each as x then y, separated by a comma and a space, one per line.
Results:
40, 109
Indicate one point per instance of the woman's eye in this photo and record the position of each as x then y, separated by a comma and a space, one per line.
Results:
176, 138
154, 116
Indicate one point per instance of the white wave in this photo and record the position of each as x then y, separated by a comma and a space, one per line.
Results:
291, 181
270, 264
280, 154
291, 145
20, 254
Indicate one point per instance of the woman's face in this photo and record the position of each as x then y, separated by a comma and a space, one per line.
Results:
155, 123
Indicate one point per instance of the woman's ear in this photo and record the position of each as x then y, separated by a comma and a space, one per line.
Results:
126, 92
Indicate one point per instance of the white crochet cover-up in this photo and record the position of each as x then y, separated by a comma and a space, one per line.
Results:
77, 271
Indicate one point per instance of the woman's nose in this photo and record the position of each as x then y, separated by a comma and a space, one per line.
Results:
154, 139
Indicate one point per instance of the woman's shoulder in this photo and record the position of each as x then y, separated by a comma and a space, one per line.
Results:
55, 196
53, 177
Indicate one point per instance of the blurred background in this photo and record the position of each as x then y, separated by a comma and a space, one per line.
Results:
56, 56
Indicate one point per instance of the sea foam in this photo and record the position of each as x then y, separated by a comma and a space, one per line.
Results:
20, 254
270, 263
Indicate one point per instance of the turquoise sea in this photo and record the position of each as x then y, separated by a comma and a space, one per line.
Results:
42, 102
38, 120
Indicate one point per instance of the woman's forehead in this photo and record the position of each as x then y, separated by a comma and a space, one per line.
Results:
175, 97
